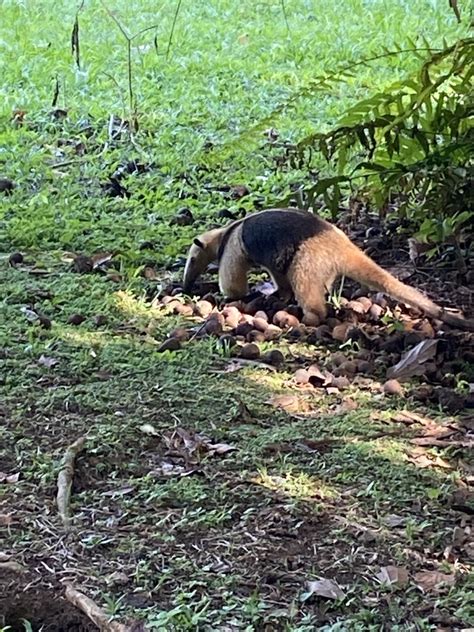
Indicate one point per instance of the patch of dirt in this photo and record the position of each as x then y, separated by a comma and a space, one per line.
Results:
44, 609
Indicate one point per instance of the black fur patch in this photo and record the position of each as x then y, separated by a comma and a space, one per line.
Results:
272, 238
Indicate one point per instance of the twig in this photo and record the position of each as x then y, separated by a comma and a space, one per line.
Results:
93, 612
170, 40
65, 476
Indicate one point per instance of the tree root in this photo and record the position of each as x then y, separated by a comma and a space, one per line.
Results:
93, 612
65, 477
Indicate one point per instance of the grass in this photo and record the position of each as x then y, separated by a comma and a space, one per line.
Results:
232, 545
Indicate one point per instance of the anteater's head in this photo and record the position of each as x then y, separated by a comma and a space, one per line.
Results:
203, 251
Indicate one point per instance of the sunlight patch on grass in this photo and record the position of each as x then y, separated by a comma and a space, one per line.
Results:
297, 485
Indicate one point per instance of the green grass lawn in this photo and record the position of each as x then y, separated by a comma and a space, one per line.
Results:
232, 545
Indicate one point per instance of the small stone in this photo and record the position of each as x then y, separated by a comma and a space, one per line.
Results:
76, 319
15, 259
172, 344
183, 310
250, 352
243, 329
273, 357
301, 376
272, 332
260, 323
376, 311
100, 320
285, 320
180, 333
393, 387
203, 308
255, 336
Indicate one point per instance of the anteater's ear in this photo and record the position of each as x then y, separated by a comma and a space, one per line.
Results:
198, 243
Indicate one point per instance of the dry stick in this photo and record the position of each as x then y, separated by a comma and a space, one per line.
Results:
65, 477
92, 610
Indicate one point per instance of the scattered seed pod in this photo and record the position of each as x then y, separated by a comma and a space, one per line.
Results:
214, 324
172, 344
183, 310
356, 306
183, 217
340, 331
100, 320
273, 357
376, 311
301, 376
260, 323
232, 316
238, 304
365, 302
340, 381
167, 299
393, 387
239, 191
423, 393
348, 368
272, 332
146, 245
363, 366
180, 333
255, 336
246, 318
296, 333
76, 319
337, 359
44, 321
284, 320
243, 329
203, 308
250, 352
6, 185
226, 341
15, 259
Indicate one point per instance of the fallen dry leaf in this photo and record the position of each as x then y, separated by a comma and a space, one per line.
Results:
422, 458
290, 403
392, 575
6, 520
412, 362
47, 361
13, 566
9, 478
323, 588
433, 580
395, 521
149, 429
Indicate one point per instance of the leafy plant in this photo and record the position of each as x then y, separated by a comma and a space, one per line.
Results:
413, 143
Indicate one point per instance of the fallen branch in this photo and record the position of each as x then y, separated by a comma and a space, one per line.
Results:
93, 612
65, 477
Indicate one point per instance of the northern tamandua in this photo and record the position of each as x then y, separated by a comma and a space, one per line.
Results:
303, 254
